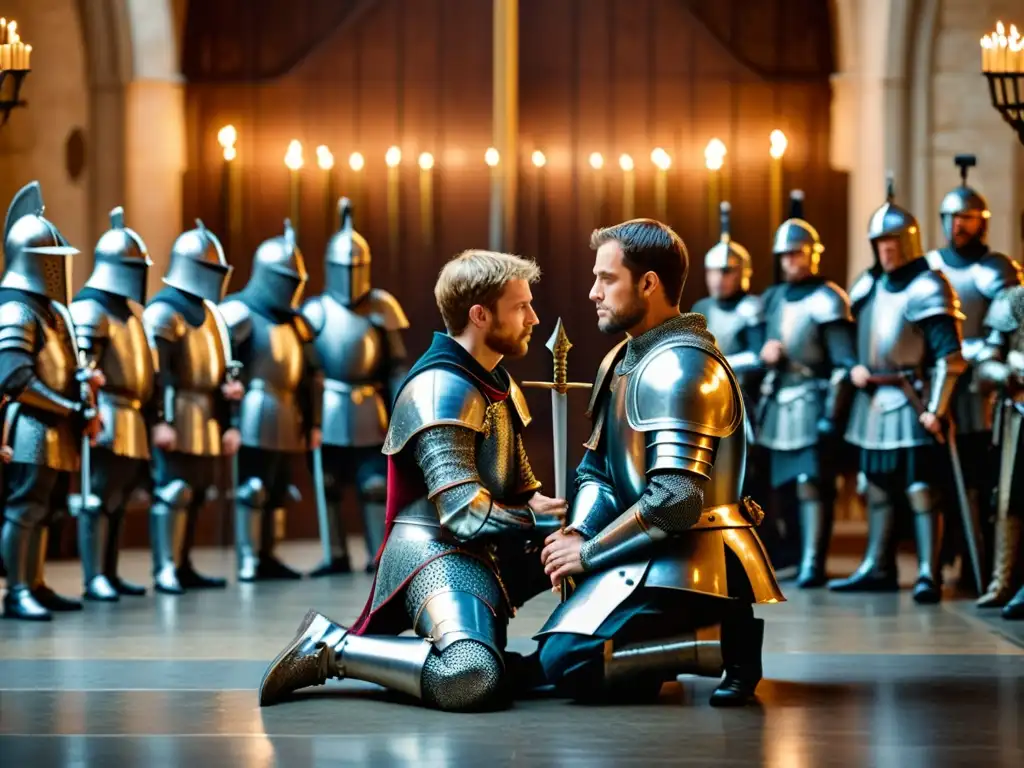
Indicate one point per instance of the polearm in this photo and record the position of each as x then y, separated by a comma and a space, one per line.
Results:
560, 385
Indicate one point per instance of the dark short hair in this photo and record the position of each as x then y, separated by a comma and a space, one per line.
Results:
649, 246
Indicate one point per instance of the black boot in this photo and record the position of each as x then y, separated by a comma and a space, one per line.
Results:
188, 576
338, 541
36, 569
92, 538
877, 572
815, 535
1014, 610
741, 655
337, 565
19, 602
112, 554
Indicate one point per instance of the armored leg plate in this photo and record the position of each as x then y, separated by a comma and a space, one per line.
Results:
19, 603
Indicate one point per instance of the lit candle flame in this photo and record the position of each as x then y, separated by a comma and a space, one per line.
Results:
626, 163
661, 159
324, 158
1000, 29
779, 142
491, 157
539, 160
426, 161
393, 157
226, 137
596, 161
356, 161
714, 155
293, 157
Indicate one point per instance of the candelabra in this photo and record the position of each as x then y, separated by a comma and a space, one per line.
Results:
1002, 62
15, 64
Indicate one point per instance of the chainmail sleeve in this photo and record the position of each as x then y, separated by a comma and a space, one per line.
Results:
673, 501
447, 457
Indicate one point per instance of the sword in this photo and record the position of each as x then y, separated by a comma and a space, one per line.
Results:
559, 345
968, 515
86, 502
321, 503
232, 372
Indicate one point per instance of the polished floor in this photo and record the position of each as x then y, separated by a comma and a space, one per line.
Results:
163, 681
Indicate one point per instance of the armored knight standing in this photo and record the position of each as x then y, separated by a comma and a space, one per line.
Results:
200, 416
977, 275
45, 425
808, 353
909, 359
358, 338
107, 313
1002, 371
664, 544
280, 412
464, 519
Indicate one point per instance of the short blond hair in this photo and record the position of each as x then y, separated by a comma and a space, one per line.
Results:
477, 277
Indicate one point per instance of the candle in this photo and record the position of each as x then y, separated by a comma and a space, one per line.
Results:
28, 57
628, 186
596, 160
5, 56
293, 160
1003, 53
426, 163
393, 158
539, 161
662, 161
778, 141
356, 163
714, 159
230, 196
496, 223
325, 161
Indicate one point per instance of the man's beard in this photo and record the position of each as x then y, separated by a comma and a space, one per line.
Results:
506, 343
626, 318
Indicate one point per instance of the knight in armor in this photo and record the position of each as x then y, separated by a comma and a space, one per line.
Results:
977, 275
107, 313
45, 426
280, 412
659, 534
909, 359
199, 396
1002, 372
465, 519
358, 332
808, 353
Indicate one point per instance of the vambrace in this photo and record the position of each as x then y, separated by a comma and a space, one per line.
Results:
38, 395
447, 457
944, 375
594, 505
626, 538
528, 482
743, 362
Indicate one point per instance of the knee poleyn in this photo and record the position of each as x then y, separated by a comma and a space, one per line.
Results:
465, 677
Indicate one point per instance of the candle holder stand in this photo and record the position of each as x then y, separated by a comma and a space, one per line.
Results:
1007, 92
10, 91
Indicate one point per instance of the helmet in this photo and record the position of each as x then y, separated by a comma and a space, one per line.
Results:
279, 271
795, 235
893, 221
964, 201
121, 261
37, 255
348, 260
727, 254
198, 266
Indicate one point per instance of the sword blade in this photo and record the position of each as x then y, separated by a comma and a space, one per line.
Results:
560, 439
321, 504
972, 526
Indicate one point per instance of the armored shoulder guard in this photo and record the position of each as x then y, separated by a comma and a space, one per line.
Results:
1000, 312
91, 322
999, 272
303, 328
830, 303
386, 311
931, 295
312, 312
18, 331
750, 310
862, 287
518, 399
237, 318
433, 397
162, 321
682, 387
603, 372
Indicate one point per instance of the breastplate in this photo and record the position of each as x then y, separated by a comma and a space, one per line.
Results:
792, 323
350, 347
57, 358
271, 413
497, 452
886, 340
725, 326
973, 303
626, 455
127, 365
200, 357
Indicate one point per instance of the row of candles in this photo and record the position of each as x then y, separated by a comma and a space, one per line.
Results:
1001, 52
714, 160
14, 54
